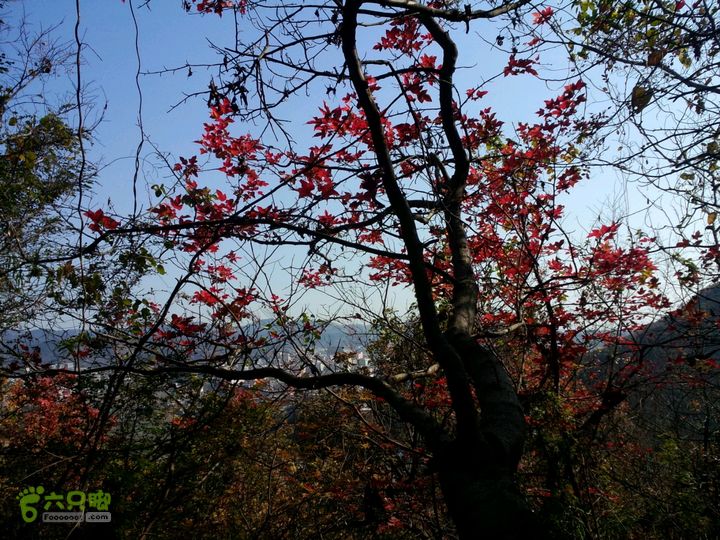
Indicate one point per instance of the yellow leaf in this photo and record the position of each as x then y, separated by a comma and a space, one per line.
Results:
640, 98
654, 58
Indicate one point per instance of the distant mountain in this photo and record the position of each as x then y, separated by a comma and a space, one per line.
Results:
689, 334
49, 344
678, 392
45, 344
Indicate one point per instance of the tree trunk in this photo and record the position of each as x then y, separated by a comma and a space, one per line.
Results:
477, 475
483, 500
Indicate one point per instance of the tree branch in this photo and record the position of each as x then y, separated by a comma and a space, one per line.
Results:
453, 15
462, 400
408, 411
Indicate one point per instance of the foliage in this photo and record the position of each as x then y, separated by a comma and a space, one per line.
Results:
520, 395
39, 166
659, 64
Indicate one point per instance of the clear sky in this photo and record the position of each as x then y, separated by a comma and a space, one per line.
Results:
169, 38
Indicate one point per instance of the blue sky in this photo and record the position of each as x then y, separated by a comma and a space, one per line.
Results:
170, 38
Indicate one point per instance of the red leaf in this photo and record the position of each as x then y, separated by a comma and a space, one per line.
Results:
306, 188
543, 16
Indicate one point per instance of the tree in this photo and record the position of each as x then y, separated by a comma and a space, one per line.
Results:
413, 183
39, 169
437, 198
659, 63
